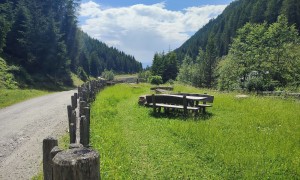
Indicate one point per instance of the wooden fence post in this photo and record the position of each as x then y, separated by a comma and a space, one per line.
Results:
69, 109
53, 152
76, 164
72, 133
87, 113
82, 104
74, 102
72, 127
48, 144
84, 131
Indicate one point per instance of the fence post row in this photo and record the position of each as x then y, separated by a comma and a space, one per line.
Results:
79, 161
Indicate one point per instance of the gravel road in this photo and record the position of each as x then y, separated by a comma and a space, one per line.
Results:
22, 129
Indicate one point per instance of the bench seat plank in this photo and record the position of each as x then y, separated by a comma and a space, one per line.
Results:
173, 106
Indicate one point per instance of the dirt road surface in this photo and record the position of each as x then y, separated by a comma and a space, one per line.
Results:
22, 129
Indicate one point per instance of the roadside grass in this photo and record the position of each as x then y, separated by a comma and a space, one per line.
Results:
248, 138
13, 96
76, 80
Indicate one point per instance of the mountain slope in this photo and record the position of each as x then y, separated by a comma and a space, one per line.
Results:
222, 29
44, 40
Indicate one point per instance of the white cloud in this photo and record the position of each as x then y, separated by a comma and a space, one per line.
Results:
142, 30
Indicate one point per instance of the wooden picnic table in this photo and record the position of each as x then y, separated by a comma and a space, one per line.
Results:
179, 101
191, 99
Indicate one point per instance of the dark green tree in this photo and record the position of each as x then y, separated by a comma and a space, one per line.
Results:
18, 38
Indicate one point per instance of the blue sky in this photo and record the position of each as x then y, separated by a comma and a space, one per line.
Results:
144, 27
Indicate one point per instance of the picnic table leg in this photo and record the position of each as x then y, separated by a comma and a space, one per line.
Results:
184, 105
154, 104
196, 113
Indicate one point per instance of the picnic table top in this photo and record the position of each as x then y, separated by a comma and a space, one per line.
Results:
195, 98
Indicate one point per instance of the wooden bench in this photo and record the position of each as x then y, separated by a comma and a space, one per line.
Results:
204, 105
169, 102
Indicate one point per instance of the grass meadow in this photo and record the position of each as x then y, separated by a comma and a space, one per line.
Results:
12, 96
241, 138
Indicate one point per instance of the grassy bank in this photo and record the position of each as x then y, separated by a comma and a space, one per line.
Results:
12, 96
255, 137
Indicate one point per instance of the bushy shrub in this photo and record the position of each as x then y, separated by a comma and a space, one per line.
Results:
259, 84
144, 74
170, 81
108, 75
7, 79
255, 84
155, 80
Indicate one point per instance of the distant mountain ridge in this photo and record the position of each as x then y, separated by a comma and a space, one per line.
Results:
223, 29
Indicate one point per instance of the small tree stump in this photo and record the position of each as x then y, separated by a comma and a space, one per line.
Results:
48, 144
76, 164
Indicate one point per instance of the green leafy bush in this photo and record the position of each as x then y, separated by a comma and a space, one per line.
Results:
108, 75
7, 79
144, 75
155, 80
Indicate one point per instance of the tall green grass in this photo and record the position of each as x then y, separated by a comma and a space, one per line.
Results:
249, 138
12, 96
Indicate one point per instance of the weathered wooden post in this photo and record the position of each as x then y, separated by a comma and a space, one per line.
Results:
76, 164
76, 95
84, 95
48, 144
53, 152
72, 127
79, 91
82, 105
74, 102
87, 113
72, 133
84, 140
69, 109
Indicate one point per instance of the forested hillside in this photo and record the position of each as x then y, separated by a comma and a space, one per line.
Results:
252, 45
42, 39
221, 30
